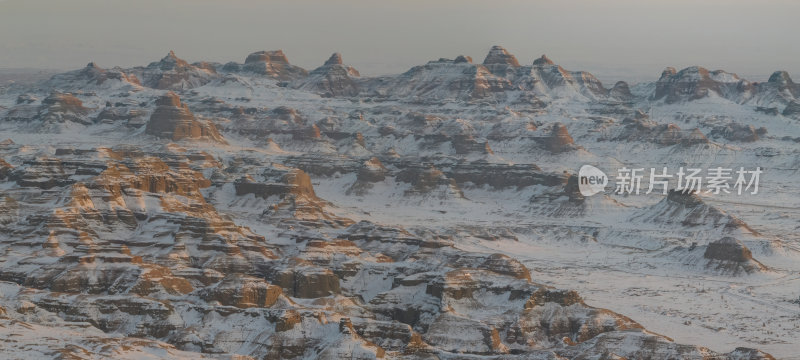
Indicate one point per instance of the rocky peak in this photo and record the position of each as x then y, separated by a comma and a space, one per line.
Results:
174, 73
543, 60
271, 63
728, 249
781, 78
621, 91
174, 120
332, 79
783, 82
463, 59
171, 61
686, 198
558, 140
731, 256
335, 59
500, 56
668, 72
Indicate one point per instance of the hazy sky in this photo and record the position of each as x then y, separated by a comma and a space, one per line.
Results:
625, 39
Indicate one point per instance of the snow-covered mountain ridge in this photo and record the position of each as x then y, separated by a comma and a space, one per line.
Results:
262, 210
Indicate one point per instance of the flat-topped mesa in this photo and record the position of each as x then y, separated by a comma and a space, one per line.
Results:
271, 56
697, 82
273, 63
173, 120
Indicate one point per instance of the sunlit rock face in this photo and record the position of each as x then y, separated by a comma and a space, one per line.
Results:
259, 210
332, 78
174, 73
173, 120
272, 63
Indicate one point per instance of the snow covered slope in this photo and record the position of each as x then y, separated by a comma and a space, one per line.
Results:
259, 210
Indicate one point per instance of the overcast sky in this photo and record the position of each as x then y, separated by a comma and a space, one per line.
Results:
624, 39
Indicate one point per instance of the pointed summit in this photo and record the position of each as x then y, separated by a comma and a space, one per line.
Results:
332, 79
171, 61
781, 78
173, 120
335, 59
500, 56
543, 60
172, 58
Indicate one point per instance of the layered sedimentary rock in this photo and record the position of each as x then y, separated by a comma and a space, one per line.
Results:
332, 78
174, 73
730, 255
173, 120
417, 215
695, 83
271, 63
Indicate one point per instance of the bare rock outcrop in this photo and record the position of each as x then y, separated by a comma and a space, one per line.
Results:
94, 75
274, 64
332, 79
731, 256
174, 73
558, 140
792, 109
696, 82
687, 208
173, 120
498, 58
61, 107
645, 130
738, 132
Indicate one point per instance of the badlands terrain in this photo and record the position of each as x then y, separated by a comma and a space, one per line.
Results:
261, 210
